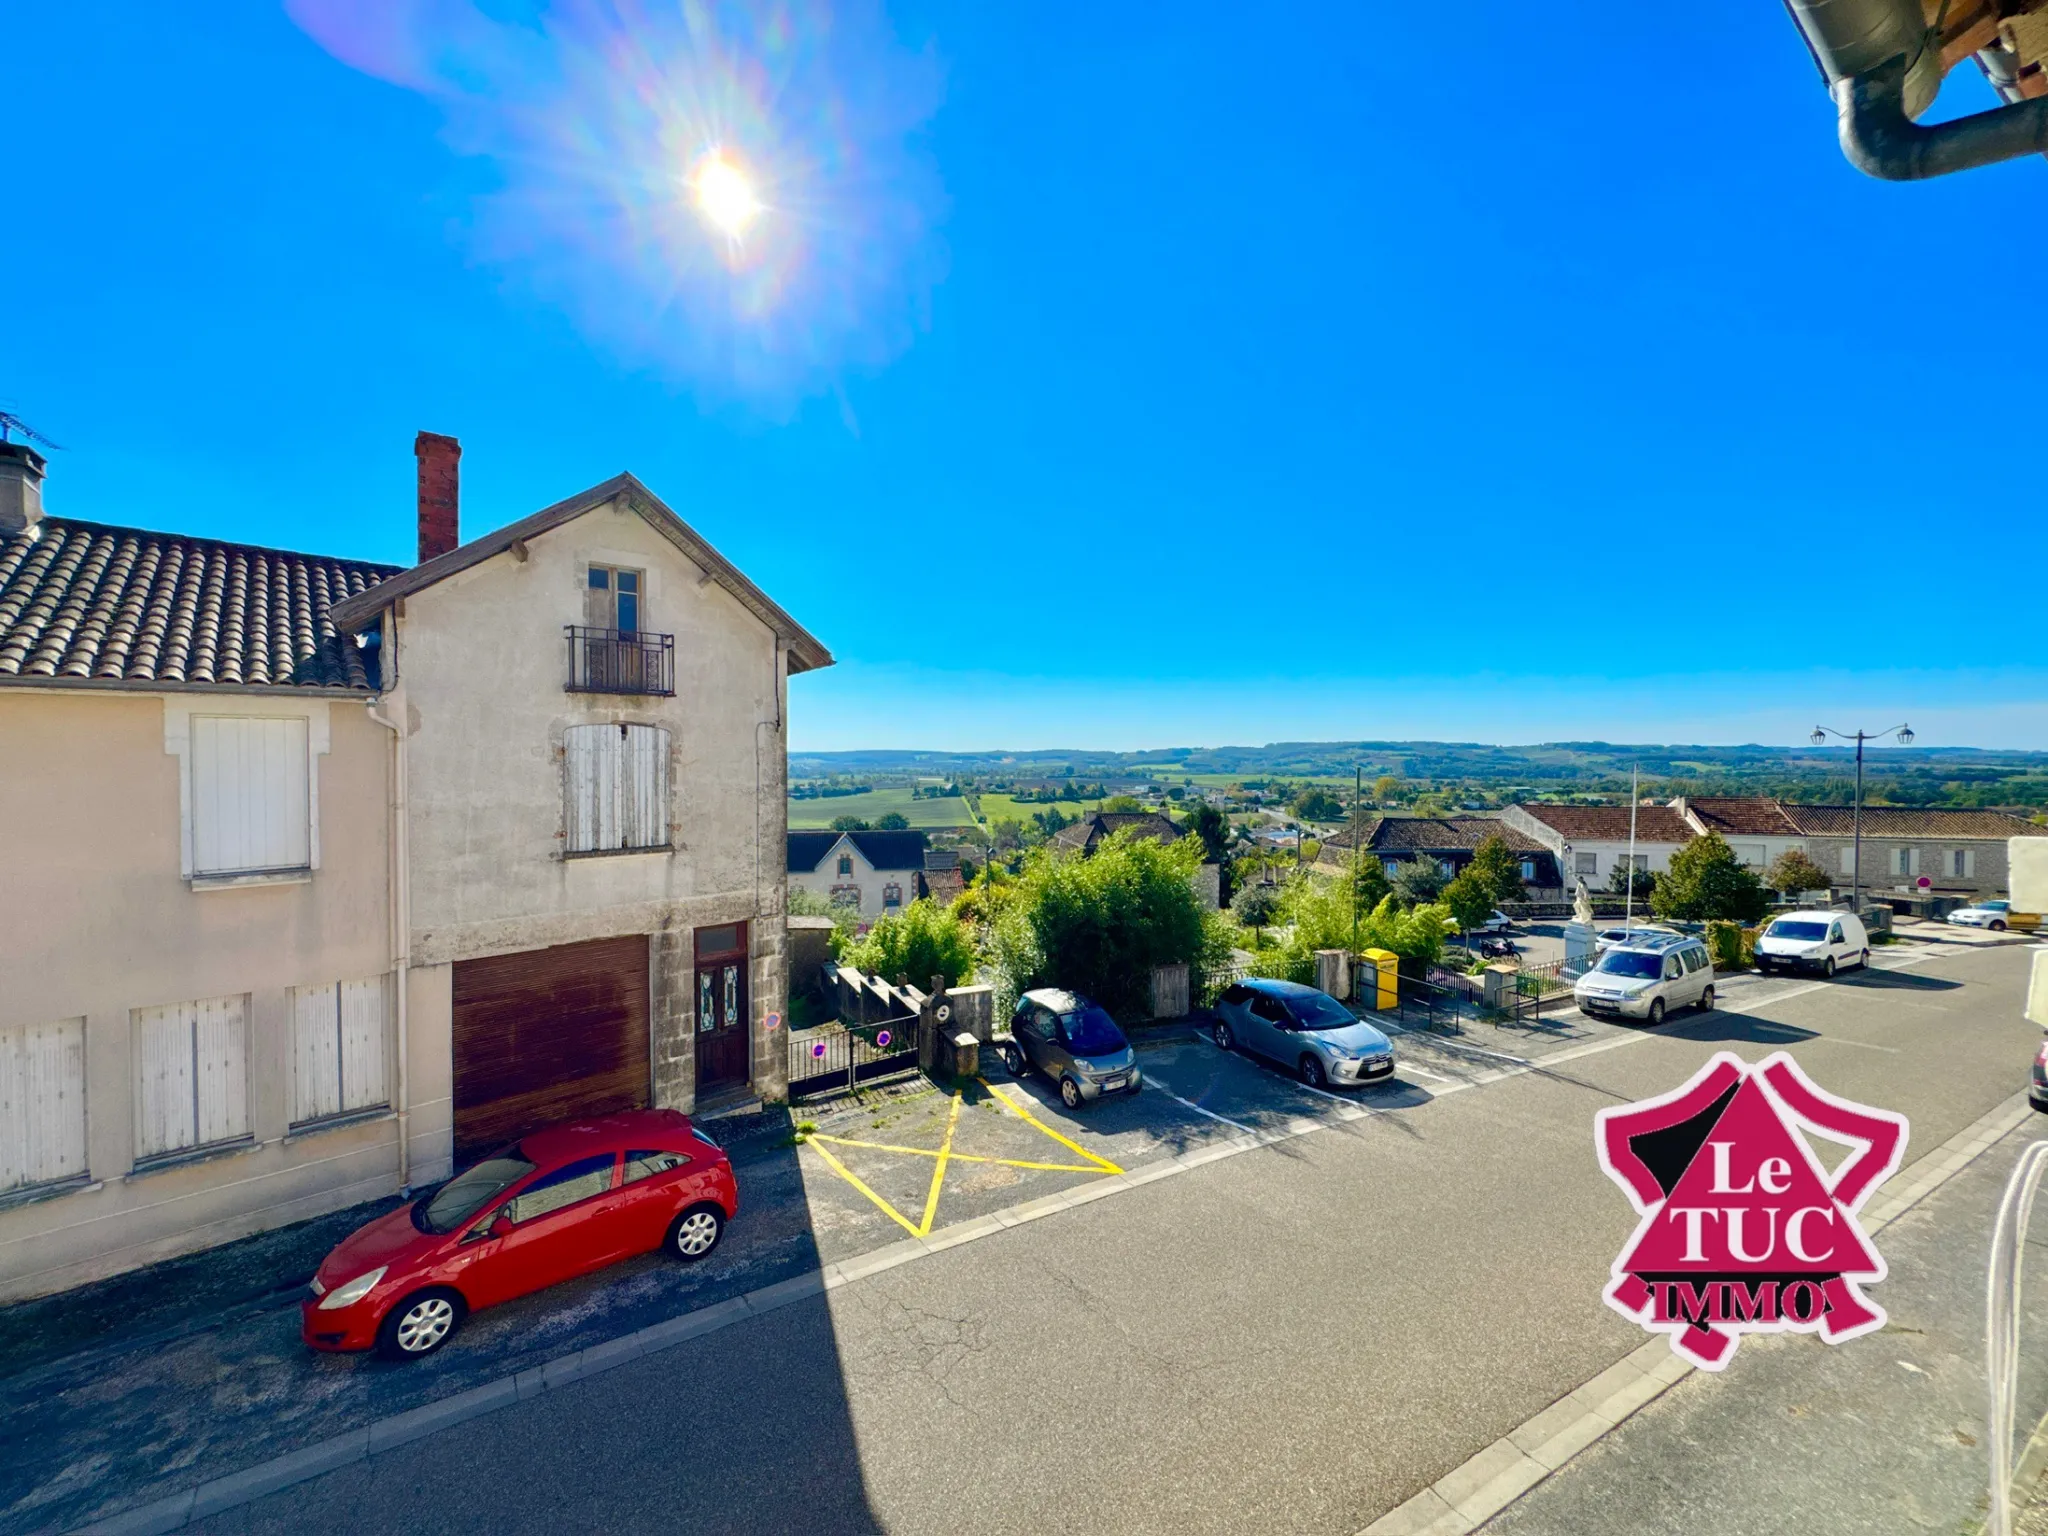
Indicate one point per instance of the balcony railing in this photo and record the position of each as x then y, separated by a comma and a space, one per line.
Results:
620, 661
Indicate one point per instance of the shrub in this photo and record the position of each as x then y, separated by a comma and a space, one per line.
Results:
1470, 897
1256, 906
1419, 880
922, 941
1732, 946
893, 821
1323, 916
1498, 870
845, 917
1623, 877
1795, 872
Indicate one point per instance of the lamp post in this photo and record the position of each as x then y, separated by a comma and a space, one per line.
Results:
1821, 733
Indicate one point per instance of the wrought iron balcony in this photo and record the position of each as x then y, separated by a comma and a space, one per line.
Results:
620, 661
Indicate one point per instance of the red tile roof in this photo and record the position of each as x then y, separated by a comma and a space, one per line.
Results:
1742, 815
1609, 823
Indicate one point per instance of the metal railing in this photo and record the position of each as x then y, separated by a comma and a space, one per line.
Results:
836, 1058
620, 661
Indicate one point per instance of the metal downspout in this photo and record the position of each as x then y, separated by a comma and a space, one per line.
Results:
401, 898
1882, 141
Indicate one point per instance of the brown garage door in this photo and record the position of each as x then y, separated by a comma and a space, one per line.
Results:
547, 1035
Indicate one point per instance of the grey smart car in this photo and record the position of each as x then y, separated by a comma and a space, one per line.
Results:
1072, 1041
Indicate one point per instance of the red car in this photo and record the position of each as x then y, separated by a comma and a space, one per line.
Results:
560, 1203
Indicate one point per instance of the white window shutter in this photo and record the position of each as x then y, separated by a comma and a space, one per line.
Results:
42, 1103
1969, 863
1849, 859
1914, 858
221, 1044
316, 1054
163, 1089
615, 787
645, 821
585, 767
365, 1006
250, 795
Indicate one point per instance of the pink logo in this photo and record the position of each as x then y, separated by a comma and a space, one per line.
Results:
1744, 1229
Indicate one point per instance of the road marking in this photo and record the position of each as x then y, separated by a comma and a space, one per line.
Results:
1845, 1040
1409, 1066
931, 1201
1459, 1045
848, 1174
1030, 1119
958, 1157
1235, 1125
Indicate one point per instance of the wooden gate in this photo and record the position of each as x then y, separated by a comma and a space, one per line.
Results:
548, 1035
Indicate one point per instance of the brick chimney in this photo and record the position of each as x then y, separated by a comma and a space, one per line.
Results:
21, 488
440, 493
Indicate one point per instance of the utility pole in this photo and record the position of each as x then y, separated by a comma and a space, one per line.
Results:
1821, 733
1357, 794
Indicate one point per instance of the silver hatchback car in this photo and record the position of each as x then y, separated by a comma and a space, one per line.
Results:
1304, 1030
1072, 1041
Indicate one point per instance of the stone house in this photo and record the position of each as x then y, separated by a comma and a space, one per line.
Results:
326, 874
1451, 841
1756, 828
1083, 835
1592, 841
871, 872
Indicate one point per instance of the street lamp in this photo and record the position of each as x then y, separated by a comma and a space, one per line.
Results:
1821, 733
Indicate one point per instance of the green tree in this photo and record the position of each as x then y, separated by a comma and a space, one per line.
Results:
1707, 881
850, 824
1624, 877
1386, 789
1100, 924
1419, 880
845, 917
1122, 804
1499, 869
921, 941
1470, 898
894, 821
1313, 804
1370, 885
1256, 906
1323, 916
1213, 828
1795, 872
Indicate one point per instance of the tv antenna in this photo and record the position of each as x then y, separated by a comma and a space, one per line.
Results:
9, 422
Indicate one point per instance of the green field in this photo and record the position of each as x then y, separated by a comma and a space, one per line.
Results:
1008, 808
807, 815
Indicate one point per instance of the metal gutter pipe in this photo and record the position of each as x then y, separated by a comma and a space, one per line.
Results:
1882, 140
401, 881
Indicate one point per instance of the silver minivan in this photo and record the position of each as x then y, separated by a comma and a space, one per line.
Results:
1648, 976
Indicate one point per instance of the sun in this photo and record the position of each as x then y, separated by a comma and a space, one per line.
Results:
724, 194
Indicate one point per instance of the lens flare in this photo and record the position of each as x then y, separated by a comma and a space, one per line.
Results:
735, 195
724, 195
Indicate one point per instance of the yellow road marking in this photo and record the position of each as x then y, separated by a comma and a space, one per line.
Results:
958, 1157
847, 1174
931, 1201
1030, 1119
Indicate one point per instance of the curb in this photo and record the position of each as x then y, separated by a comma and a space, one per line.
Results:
1468, 1496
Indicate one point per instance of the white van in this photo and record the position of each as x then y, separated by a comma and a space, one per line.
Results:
1813, 941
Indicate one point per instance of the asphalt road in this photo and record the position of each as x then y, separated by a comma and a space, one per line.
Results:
1296, 1338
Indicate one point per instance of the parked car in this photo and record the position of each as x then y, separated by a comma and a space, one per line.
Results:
1497, 921
1985, 914
2037, 1091
1646, 976
1072, 1041
1304, 1030
557, 1204
1813, 941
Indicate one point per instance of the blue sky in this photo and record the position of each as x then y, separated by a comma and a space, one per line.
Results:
1097, 376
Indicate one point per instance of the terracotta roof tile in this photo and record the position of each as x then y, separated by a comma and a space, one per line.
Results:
1911, 821
1744, 815
121, 605
1609, 823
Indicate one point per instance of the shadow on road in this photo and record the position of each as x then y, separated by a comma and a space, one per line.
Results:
196, 1371
1902, 981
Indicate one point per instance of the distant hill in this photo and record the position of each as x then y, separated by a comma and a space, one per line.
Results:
1913, 775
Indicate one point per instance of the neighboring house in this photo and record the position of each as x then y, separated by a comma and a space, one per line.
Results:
1449, 840
1956, 852
1755, 827
1097, 825
332, 874
1592, 841
871, 872
942, 880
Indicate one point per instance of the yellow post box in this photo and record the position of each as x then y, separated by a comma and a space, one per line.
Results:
1378, 983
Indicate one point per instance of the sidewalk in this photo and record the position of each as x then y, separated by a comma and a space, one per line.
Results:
1883, 1434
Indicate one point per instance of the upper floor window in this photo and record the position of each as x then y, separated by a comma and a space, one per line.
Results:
615, 787
892, 895
612, 599
1528, 869
251, 795
846, 863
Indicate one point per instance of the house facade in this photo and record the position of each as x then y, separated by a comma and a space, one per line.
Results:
329, 874
1756, 828
871, 872
1591, 842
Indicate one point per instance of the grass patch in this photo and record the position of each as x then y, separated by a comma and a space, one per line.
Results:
817, 815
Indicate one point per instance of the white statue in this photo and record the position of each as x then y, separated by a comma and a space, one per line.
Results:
1582, 905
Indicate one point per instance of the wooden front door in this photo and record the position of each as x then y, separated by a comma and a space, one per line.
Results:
548, 1035
723, 1036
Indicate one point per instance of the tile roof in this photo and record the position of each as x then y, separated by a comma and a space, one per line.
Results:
1912, 821
1744, 815
1090, 830
1609, 823
121, 607
1435, 834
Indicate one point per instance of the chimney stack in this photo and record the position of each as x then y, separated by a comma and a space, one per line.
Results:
440, 459
21, 488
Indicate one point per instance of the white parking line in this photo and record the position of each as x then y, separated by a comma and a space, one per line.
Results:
1191, 1104
1409, 1066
